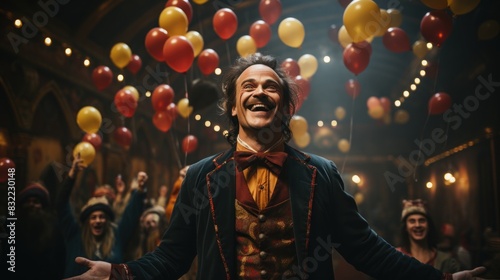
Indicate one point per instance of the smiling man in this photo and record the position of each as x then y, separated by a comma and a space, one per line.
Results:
262, 209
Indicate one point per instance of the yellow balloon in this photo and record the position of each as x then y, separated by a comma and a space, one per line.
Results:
134, 91
120, 55
401, 116
460, 7
396, 17
420, 49
488, 30
302, 140
89, 119
340, 113
86, 151
436, 4
298, 125
384, 21
291, 32
308, 65
246, 45
195, 38
362, 19
183, 108
200, 2
174, 20
344, 37
376, 112
344, 145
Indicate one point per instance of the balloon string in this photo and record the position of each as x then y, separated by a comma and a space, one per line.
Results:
228, 54
188, 118
176, 142
351, 125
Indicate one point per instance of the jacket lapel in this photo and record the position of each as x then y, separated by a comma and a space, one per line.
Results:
221, 191
301, 179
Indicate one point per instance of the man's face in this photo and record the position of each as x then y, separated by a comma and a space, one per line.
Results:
258, 99
151, 221
33, 204
417, 227
97, 221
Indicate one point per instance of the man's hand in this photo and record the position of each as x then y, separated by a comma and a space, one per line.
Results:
142, 177
469, 274
98, 270
76, 166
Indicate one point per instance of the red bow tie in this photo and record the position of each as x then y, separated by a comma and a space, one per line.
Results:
274, 161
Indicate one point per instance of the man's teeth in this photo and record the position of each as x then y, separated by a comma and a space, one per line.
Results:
258, 107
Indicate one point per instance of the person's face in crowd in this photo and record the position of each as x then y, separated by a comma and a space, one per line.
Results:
97, 221
151, 221
417, 227
33, 204
258, 99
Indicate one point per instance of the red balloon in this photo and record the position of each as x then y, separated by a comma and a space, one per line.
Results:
208, 61
396, 40
125, 102
5, 169
356, 59
162, 120
178, 53
93, 139
364, 45
225, 23
102, 77
353, 88
261, 33
184, 5
135, 64
436, 26
333, 33
172, 111
189, 144
270, 10
386, 104
291, 67
123, 137
345, 3
155, 40
162, 96
304, 87
439, 103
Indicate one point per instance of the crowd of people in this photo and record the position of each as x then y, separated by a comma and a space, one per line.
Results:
260, 210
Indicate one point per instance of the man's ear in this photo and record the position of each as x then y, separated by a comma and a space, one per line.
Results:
233, 111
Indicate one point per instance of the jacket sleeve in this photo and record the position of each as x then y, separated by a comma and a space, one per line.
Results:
173, 257
361, 246
67, 221
131, 215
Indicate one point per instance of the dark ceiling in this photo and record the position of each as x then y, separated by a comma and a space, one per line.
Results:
94, 26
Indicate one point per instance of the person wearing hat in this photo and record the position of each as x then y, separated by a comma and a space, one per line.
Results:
419, 237
153, 223
94, 234
39, 246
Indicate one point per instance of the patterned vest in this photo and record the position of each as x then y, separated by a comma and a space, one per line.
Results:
265, 244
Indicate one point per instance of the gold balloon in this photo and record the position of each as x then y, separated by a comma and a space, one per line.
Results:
291, 32
460, 7
195, 38
302, 140
89, 119
134, 91
120, 55
298, 125
174, 20
344, 145
384, 21
344, 37
183, 108
420, 49
86, 151
200, 2
396, 17
362, 19
401, 116
376, 112
246, 46
340, 113
488, 30
308, 65
436, 4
